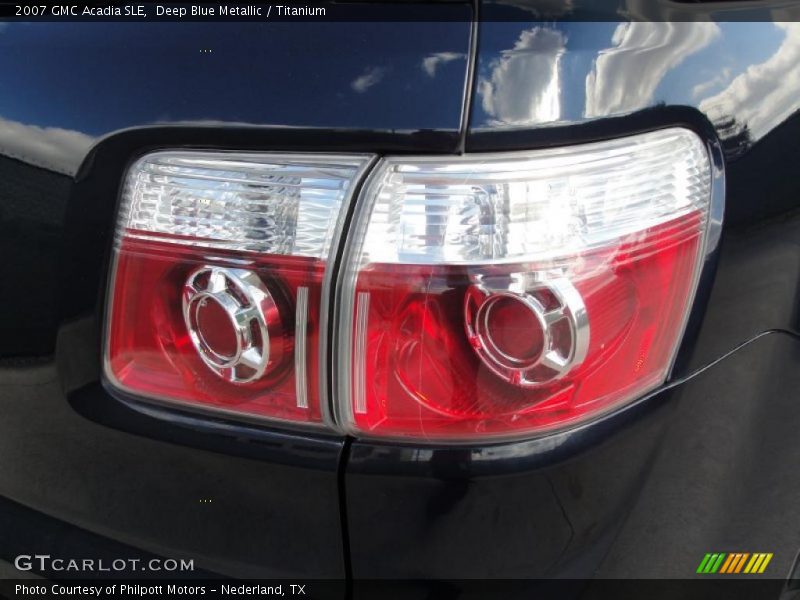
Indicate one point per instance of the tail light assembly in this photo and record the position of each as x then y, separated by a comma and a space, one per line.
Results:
220, 261
478, 297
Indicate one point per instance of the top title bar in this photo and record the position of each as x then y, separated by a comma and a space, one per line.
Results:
409, 10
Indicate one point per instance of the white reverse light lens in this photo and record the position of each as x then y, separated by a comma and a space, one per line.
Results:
275, 204
535, 205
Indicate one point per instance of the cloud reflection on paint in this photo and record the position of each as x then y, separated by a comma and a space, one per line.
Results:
369, 78
523, 84
52, 148
625, 76
431, 63
765, 93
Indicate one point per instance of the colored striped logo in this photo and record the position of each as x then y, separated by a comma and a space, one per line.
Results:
734, 562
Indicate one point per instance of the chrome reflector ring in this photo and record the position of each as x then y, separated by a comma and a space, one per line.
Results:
566, 313
252, 317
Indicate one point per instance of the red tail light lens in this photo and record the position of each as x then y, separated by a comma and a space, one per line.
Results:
505, 295
217, 288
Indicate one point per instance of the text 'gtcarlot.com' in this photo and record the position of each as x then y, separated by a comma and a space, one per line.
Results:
45, 562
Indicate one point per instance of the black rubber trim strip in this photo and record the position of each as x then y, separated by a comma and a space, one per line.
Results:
469, 84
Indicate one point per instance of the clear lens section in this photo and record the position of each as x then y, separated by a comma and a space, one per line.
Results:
537, 205
510, 294
264, 203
